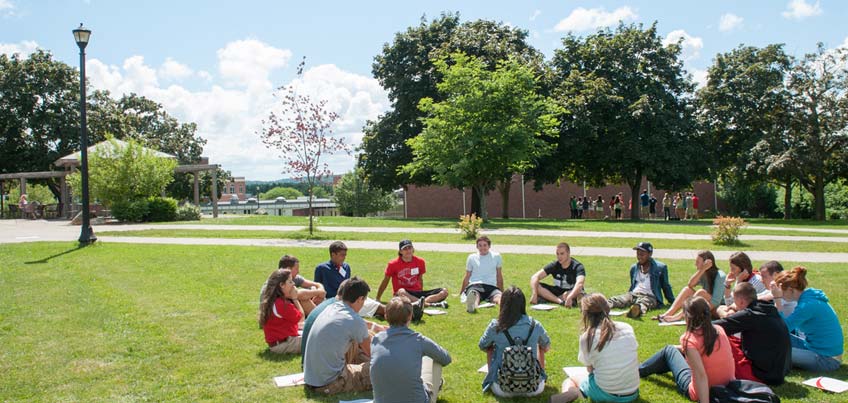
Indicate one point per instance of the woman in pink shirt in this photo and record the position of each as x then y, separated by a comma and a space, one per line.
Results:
702, 360
280, 313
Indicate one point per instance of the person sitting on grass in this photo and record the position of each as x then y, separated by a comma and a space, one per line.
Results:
569, 276
338, 350
513, 324
741, 271
711, 280
407, 276
767, 272
280, 313
331, 273
762, 353
309, 293
483, 276
405, 365
609, 351
702, 360
818, 340
648, 283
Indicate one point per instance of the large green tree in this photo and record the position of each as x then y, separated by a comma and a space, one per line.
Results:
489, 126
814, 147
744, 101
406, 69
629, 112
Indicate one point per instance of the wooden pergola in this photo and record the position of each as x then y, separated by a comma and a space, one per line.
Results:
71, 162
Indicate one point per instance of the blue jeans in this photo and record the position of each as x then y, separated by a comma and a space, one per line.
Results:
669, 359
809, 360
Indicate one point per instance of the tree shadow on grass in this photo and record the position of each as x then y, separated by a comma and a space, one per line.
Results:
47, 259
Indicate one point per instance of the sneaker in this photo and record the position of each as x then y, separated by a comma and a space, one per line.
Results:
418, 310
440, 304
471, 301
634, 312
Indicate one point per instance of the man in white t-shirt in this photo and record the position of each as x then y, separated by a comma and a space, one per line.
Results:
483, 278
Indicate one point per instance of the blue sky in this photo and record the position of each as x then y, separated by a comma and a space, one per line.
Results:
217, 63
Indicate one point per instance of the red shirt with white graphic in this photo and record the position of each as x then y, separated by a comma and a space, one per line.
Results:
406, 274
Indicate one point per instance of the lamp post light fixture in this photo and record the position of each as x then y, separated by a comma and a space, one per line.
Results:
81, 35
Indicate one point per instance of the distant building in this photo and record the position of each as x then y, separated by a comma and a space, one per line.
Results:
281, 207
234, 189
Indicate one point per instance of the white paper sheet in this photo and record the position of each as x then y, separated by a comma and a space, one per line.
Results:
543, 307
617, 313
289, 380
828, 384
434, 312
357, 401
576, 372
486, 305
484, 369
675, 323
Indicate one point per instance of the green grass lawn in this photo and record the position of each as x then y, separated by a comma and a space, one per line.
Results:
684, 227
807, 246
120, 322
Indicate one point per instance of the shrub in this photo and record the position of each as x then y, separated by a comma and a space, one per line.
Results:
470, 225
727, 230
130, 211
161, 209
188, 212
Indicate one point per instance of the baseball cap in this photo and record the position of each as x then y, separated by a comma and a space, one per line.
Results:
404, 243
645, 246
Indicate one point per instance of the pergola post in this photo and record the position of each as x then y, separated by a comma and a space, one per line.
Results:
214, 193
23, 186
64, 197
196, 189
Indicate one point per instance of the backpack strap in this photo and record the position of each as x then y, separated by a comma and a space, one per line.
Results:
530, 333
509, 338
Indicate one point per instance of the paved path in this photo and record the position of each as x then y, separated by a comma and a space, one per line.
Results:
17, 231
494, 232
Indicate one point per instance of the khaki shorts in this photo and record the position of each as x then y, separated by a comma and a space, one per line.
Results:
290, 346
355, 376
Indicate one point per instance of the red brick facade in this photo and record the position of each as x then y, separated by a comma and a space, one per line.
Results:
550, 202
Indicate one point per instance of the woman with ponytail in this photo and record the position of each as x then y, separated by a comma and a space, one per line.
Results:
702, 360
609, 351
820, 349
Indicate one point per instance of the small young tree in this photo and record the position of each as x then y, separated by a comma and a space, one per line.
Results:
125, 173
301, 129
355, 196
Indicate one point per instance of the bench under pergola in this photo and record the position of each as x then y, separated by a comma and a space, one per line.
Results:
71, 162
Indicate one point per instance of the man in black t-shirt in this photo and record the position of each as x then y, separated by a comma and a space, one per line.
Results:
569, 276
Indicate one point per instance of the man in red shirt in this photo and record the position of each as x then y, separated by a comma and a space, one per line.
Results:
694, 206
406, 273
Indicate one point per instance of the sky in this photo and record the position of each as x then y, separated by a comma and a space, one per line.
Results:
219, 63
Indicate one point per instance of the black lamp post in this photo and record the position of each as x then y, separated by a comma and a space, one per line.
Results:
81, 35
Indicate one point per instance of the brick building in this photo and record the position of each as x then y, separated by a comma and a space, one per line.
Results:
234, 187
550, 202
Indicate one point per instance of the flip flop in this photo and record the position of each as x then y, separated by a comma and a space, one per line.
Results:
660, 318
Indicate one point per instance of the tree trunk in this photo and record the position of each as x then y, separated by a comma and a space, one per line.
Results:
482, 196
635, 204
309, 200
818, 194
475, 202
787, 200
504, 188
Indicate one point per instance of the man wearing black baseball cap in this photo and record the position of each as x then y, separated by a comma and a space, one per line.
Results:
648, 283
407, 273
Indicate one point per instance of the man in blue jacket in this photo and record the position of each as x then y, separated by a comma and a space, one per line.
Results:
648, 283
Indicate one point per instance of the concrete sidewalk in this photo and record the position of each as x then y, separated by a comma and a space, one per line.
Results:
18, 231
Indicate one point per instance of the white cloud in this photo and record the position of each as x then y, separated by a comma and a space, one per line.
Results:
23, 48
699, 76
174, 70
7, 8
582, 19
691, 45
248, 63
536, 13
800, 9
729, 22
229, 111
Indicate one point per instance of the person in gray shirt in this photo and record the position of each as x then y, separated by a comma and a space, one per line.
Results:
339, 346
405, 365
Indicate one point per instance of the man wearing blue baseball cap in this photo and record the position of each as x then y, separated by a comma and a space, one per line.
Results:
648, 283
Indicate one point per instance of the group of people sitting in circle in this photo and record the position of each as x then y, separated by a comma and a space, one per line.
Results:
746, 324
